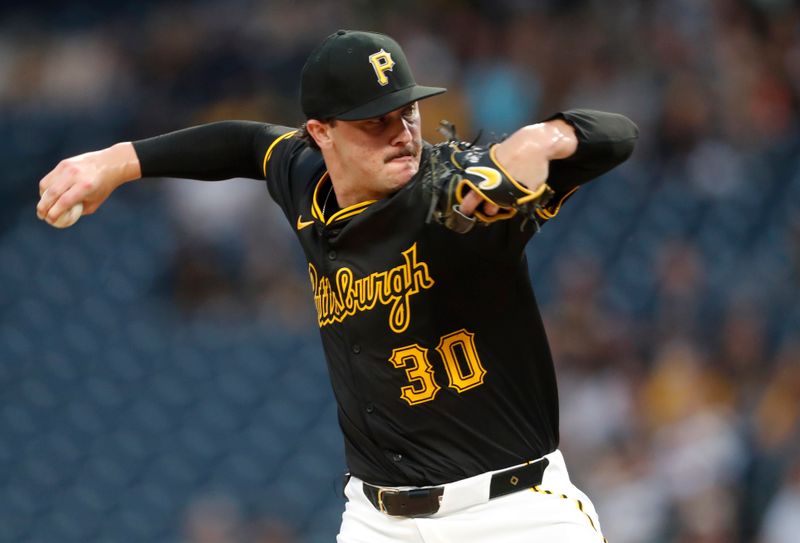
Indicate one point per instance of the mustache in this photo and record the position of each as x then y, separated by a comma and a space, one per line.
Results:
408, 150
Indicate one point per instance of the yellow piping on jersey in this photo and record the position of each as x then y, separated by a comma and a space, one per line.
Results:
346, 213
271, 148
316, 212
350, 211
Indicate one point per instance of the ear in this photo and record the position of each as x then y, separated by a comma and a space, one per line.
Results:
321, 132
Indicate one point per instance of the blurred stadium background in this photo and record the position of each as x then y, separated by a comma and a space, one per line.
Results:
160, 373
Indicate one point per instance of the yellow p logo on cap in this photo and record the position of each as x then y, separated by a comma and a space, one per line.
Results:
381, 62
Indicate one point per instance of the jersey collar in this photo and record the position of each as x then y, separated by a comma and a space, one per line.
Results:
340, 215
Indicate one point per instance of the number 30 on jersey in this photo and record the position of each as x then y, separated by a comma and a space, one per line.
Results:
461, 362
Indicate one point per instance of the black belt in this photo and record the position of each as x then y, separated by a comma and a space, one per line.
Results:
423, 502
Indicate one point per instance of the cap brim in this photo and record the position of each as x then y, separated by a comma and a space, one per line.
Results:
390, 102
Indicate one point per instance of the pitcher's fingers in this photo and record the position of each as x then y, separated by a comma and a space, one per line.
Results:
490, 209
469, 203
68, 199
49, 179
49, 196
89, 209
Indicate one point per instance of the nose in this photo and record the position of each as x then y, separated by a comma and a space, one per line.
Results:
402, 134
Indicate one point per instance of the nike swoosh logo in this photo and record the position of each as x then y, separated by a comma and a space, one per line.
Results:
302, 224
491, 177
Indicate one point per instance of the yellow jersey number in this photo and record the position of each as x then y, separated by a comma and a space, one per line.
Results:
461, 362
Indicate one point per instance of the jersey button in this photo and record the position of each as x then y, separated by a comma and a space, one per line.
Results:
370, 408
356, 348
331, 255
397, 457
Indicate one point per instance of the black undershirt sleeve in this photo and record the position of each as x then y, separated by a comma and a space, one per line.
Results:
605, 140
210, 152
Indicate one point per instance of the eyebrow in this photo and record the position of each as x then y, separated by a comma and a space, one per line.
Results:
408, 108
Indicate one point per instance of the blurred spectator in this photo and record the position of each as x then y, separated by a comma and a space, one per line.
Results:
213, 519
490, 73
271, 530
627, 492
741, 353
678, 300
775, 435
596, 363
782, 519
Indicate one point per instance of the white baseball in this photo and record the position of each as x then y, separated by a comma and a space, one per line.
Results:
70, 216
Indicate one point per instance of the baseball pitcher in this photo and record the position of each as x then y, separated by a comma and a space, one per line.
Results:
437, 354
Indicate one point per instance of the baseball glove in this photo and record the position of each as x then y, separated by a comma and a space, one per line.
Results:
455, 167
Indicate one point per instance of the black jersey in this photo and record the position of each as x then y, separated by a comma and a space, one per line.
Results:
436, 350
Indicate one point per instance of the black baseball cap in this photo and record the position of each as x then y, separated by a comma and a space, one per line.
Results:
356, 75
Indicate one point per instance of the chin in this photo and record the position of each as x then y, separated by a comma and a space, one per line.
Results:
402, 180
401, 176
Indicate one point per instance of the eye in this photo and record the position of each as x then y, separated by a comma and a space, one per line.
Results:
377, 121
410, 112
